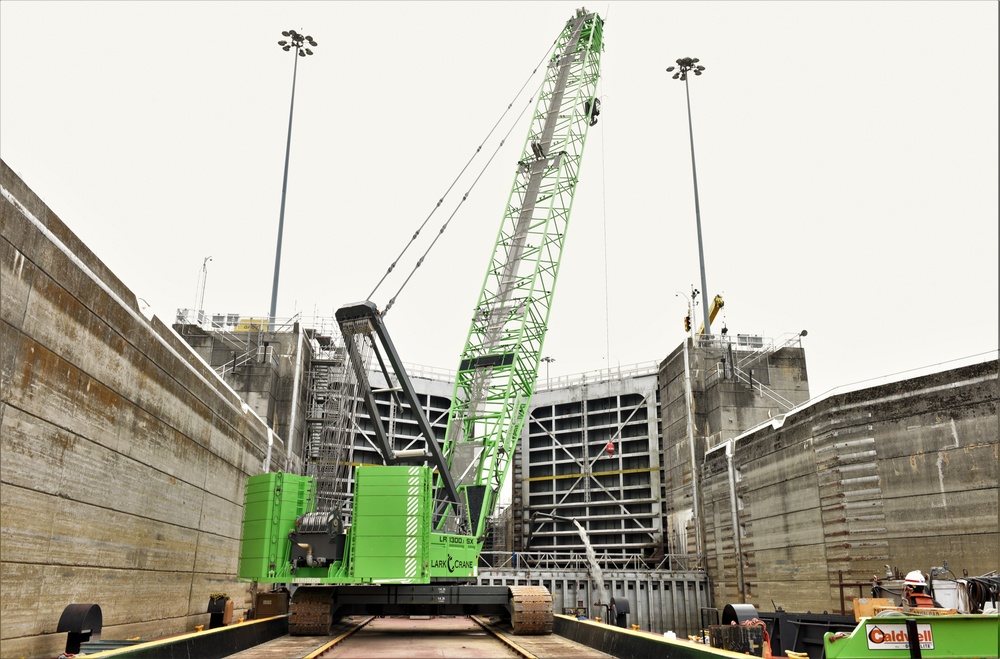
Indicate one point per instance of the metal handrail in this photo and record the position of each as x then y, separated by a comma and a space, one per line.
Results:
328, 326
600, 375
578, 561
262, 351
765, 391
771, 346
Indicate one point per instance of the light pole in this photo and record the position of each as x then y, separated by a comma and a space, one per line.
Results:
547, 360
684, 65
296, 41
199, 298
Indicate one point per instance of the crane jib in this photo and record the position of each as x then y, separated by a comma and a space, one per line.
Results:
499, 365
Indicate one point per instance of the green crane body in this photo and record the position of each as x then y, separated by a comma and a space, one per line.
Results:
390, 540
422, 519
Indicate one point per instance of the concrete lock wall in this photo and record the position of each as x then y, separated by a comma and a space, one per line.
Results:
721, 407
903, 474
123, 456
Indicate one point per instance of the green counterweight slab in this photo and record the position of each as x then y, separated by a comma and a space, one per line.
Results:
392, 521
271, 504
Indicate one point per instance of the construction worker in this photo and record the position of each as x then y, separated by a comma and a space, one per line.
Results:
915, 592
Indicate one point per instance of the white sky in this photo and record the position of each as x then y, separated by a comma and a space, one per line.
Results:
846, 153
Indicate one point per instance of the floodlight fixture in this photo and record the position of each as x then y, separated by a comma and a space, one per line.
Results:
684, 65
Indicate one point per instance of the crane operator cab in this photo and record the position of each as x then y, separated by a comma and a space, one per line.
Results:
915, 591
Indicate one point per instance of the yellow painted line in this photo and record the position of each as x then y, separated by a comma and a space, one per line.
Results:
173, 639
691, 647
593, 473
340, 638
485, 624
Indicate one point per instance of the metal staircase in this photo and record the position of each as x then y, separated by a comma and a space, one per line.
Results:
332, 403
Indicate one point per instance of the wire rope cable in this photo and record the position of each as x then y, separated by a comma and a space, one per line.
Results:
604, 213
416, 234
604, 217
444, 226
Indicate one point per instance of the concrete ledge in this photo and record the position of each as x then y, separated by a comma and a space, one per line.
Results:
627, 644
211, 644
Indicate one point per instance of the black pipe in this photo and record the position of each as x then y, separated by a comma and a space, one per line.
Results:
913, 638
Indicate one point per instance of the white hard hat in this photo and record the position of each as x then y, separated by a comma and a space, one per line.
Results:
915, 578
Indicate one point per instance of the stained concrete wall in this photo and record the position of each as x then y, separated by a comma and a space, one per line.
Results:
122, 456
903, 474
722, 407
268, 370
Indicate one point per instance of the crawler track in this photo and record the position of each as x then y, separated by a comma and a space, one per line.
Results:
313, 609
309, 613
530, 610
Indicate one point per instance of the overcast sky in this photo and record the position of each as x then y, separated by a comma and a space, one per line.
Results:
846, 154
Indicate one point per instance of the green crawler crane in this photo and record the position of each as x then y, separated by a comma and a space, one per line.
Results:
417, 523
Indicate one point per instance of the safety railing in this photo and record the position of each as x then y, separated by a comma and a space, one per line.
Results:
578, 561
602, 375
770, 346
767, 392
261, 355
